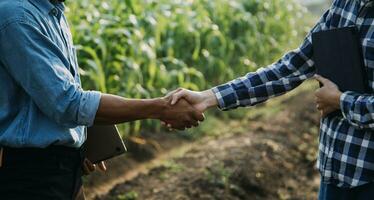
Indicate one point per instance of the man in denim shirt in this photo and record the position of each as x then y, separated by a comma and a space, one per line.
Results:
346, 145
44, 111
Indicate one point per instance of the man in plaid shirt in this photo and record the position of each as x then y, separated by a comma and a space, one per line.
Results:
346, 148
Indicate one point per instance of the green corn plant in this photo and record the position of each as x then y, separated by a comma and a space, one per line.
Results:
145, 48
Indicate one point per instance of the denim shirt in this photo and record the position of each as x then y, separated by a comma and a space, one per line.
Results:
41, 99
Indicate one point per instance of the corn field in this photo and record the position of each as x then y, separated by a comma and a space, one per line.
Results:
145, 48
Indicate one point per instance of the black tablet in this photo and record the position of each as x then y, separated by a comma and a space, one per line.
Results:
338, 57
103, 142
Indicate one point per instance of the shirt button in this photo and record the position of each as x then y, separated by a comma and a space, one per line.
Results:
54, 12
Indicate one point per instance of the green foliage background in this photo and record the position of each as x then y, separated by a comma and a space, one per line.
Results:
145, 48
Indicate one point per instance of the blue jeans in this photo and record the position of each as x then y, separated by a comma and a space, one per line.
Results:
331, 192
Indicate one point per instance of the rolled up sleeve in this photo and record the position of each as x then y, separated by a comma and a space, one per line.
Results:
40, 68
88, 107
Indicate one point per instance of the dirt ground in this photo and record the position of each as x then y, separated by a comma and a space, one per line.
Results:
270, 155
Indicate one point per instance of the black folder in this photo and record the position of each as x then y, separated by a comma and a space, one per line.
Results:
103, 142
338, 57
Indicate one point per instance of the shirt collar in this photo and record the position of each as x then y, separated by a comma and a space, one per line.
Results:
48, 6
60, 5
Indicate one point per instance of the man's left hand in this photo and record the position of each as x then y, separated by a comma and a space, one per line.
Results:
327, 97
89, 167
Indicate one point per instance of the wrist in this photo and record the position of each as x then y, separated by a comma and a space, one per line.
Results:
337, 99
159, 105
210, 99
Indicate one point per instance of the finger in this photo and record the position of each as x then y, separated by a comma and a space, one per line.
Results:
170, 127
324, 113
179, 95
195, 120
317, 92
319, 107
198, 116
319, 101
322, 79
102, 166
90, 165
329, 110
86, 170
190, 124
196, 124
180, 128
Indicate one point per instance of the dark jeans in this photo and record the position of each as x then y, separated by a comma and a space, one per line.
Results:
331, 192
51, 173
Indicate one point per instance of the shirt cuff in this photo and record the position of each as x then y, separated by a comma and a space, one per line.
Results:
345, 100
226, 96
88, 107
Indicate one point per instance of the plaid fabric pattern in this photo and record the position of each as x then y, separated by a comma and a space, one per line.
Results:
346, 148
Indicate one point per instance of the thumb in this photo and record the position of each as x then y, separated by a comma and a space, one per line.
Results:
322, 79
173, 92
177, 96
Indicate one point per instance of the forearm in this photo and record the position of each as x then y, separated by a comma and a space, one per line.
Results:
240, 94
115, 109
286, 74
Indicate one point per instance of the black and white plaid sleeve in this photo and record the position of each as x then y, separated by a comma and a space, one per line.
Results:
358, 109
274, 80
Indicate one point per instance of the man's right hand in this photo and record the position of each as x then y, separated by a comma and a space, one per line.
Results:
201, 101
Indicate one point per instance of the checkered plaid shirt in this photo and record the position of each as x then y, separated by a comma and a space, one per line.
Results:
346, 148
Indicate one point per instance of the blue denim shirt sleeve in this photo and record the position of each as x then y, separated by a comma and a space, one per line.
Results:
33, 60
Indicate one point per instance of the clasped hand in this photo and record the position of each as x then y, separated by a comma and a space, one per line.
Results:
189, 107
181, 115
327, 97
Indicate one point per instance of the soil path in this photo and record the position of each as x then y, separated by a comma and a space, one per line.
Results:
272, 156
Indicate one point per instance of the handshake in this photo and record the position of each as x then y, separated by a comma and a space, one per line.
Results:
185, 108
179, 110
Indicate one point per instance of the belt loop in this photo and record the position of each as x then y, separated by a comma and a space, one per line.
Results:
1, 156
